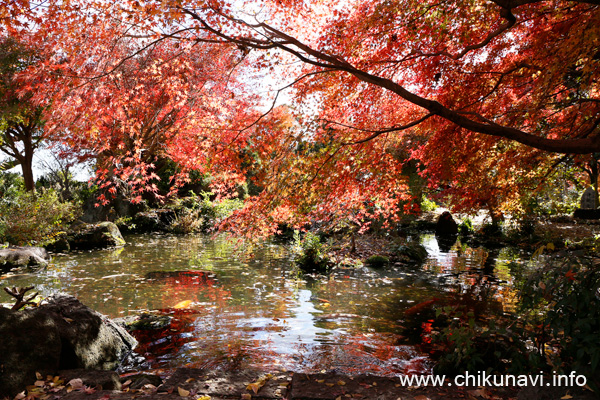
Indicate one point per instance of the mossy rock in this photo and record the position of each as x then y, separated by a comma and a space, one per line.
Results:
412, 252
147, 322
377, 261
95, 236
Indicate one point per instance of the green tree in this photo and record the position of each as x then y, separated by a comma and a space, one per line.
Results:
21, 124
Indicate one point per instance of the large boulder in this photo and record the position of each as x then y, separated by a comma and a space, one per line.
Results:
446, 225
60, 334
100, 235
12, 257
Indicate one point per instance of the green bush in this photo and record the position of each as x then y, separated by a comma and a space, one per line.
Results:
563, 300
473, 345
428, 205
28, 218
310, 253
199, 213
466, 227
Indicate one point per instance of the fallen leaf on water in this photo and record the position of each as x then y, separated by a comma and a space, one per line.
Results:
566, 396
183, 304
183, 392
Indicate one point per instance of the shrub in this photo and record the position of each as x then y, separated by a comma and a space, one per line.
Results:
310, 253
34, 218
563, 298
466, 227
428, 205
199, 213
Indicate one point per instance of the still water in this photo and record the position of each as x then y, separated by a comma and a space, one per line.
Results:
237, 306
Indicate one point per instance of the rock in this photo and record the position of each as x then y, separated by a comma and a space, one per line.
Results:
153, 221
107, 380
13, 257
145, 321
587, 213
60, 244
30, 343
589, 199
377, 261
446, 225
92, 339
411, 252
60, 334
138, 381
95, 236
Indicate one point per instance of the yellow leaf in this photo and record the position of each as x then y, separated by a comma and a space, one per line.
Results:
341, 383
550, 246
254, 387
203, 398
183, 304
566, 396
183, 392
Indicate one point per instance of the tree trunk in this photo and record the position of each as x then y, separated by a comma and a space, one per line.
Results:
27, 168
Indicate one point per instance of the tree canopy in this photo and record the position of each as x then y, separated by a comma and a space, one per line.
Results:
486, 96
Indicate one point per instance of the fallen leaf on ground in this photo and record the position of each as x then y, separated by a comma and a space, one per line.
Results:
260, 382
480, 393
75, 384
183, 392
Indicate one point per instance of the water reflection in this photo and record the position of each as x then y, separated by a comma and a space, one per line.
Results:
232, 307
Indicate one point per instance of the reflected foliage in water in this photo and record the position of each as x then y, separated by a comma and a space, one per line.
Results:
235, 307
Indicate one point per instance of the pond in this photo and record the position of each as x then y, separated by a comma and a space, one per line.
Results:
239, 306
